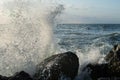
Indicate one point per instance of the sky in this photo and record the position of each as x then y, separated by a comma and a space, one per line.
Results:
84, 11
91, 11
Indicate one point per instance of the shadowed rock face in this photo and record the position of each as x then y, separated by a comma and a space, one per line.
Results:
110, 69
114, 54
3, 78
18, 76
98, 71
113, 59
58, 66
21, 76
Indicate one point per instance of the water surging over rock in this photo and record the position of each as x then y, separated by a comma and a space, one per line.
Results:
57, 67
27, 38
110, 69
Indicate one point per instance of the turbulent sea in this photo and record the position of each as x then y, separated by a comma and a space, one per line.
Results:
91, 42
24, 46
32, 33
87, 36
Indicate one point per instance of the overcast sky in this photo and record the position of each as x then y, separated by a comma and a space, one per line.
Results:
84, 11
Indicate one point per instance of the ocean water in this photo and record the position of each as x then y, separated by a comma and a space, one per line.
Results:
25, 46
80, 36
91, 42
22, 47
33, 32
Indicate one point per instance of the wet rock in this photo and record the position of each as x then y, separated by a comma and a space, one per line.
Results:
114, 54
58, 67
110, 69
3, 78
18, 76
113, 60
98, 70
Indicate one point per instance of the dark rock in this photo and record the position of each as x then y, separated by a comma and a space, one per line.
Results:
21, 76
98, 70
113, 59
58, 66
53, 68
18, 76
3, 78
110, 69
114, 54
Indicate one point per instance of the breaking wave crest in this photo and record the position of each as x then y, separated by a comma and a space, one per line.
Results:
28, 37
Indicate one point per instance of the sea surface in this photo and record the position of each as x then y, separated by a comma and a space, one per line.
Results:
81, 36
24, 46
30, 34
91, 42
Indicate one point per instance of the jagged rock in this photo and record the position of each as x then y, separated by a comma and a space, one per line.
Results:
110, 69
113, 54
58, 66
113, 59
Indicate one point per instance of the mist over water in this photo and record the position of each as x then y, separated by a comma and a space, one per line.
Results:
28, 36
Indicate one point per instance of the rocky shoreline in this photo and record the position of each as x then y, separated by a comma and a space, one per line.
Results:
65, 65
110, 69
56, 67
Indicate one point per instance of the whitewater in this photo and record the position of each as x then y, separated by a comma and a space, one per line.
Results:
28, 37
33, 33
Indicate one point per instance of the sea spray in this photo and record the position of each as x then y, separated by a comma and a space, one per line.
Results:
92, 54
28, 37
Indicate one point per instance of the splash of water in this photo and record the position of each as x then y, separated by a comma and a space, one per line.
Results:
94, 56
28, 38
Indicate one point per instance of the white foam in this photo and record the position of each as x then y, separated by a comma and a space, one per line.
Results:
28, 37
92, 55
